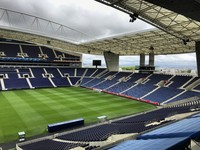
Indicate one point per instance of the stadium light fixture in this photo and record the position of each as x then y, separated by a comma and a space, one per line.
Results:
185, 41
133, 16
151, 48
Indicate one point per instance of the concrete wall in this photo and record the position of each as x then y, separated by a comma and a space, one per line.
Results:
112, 61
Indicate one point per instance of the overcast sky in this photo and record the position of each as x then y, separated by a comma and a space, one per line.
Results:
97, 20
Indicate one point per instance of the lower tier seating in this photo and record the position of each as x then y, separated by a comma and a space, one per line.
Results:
134, 124
51, 145
40, 82
163, 94
16, 84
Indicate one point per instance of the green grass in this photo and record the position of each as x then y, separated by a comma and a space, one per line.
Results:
32, 110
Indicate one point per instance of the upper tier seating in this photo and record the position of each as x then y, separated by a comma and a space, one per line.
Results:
10, 50
49, 52
31, 51
70, 57
24, 53
58, 53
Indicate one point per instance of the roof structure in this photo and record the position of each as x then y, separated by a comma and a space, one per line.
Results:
143, 42
175, 33
171, 26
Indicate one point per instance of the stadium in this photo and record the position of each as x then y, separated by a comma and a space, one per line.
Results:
50, 101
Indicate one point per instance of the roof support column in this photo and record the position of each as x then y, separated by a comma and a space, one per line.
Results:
151, 59
142, 60
197, 48
112, 61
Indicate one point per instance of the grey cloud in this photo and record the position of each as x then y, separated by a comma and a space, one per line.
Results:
99, 22
95, 22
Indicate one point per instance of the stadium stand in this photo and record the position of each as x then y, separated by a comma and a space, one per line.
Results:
159, 88
31, 51
120, 87
185, 95
54, 72
190, 82
39, 81
51, 145
173, 136
98, 133
179, 81
162, 94
197, 88
14, 83
136, 124
161, 144
98, 72
127, 82
85, 80
69, 71
59, 54
10, 50
137, 85
49, 52
90, 72
74, 80
156, 78
24, 71
57, 79
80, 72
140, 90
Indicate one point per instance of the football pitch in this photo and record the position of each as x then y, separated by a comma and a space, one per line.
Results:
32, 110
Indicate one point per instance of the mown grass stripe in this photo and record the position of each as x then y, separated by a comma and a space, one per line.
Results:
39, 107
